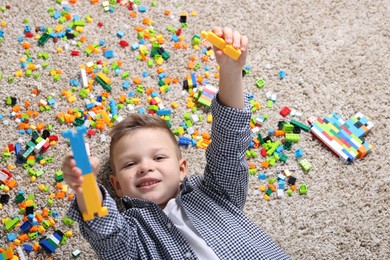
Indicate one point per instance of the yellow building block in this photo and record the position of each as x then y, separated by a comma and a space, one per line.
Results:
220, 43
214, 39
209, 118
174, 105
105, 78
90, 193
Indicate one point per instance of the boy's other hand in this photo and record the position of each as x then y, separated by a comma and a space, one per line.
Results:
73, 175
238, 41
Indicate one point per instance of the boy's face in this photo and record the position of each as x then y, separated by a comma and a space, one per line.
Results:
147, 166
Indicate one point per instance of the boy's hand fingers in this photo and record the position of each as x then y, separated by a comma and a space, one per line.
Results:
236, 42
77, 189
95, 163
228, 35
218, 31
244, 43
74, 179
68, 162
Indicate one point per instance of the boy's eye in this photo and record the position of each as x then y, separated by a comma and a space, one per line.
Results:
128, 165
159, 157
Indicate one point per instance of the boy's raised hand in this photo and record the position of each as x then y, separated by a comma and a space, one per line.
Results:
73, 175
238, 41
230, 81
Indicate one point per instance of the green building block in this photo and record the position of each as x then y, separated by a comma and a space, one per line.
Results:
43, 39
288, 128
260, 83
303, 189
11, 223
302, 126
305, 165
292, 138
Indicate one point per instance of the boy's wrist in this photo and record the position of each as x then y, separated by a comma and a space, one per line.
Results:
230, 70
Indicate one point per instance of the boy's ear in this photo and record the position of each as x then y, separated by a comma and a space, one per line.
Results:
183, 168
116, 185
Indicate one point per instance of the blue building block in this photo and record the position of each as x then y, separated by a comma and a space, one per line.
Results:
184, 141
108, 54
298, 153
47, 246
11, 237
27, 247
78, 147
164, 112
282, 74
135, 46
26, 226
126, 84
120, 34
142, 9
113, 109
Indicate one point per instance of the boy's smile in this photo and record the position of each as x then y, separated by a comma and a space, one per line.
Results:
147, 183
147, 166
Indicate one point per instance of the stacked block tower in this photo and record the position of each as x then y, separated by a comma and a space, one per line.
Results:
344, 138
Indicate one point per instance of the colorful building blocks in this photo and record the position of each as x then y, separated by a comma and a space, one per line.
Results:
8, 254
89, 187
344, 138
4, 176
50, 244
206, 94
220, 43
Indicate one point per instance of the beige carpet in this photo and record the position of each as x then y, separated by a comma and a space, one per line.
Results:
336, 58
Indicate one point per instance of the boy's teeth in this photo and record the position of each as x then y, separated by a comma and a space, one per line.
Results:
147, 183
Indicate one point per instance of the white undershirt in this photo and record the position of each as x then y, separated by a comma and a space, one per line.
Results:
180, 220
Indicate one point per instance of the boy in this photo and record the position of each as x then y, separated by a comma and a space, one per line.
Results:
168, 216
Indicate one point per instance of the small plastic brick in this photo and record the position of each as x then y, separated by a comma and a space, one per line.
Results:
260, 83
43, 39
11, 223
76, 253
292, 138
285, 111
303, 189
305, 165
282, 74
298, 153
302, 126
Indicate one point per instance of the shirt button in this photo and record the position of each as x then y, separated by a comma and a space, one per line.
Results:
169, 225
188, 255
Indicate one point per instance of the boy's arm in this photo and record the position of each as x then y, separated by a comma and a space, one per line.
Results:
110, 236
109, 232
226, 169
230, 80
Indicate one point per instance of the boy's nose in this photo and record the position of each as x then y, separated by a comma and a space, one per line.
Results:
146, 166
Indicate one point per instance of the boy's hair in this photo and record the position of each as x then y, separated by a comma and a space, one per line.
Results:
135, 122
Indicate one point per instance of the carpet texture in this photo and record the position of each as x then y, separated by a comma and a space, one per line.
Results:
336, 58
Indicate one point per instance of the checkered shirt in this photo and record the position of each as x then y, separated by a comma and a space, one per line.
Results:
213, 204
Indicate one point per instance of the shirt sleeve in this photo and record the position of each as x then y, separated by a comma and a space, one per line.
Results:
112, 231
226, 171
